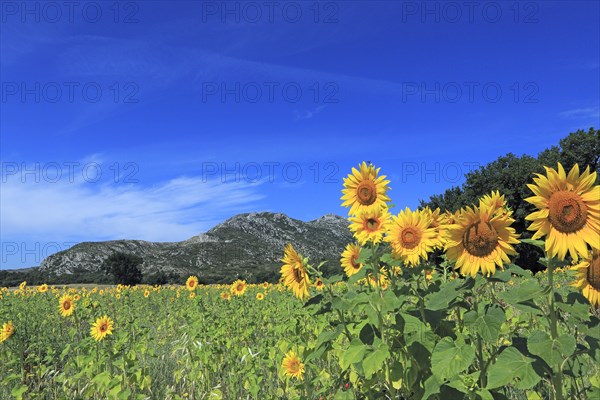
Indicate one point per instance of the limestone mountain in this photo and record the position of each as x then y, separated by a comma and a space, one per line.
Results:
247, 245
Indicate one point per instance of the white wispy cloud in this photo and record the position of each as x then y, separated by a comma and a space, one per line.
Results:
172, 210
581, 113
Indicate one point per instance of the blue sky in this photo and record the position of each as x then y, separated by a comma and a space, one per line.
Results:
158, 120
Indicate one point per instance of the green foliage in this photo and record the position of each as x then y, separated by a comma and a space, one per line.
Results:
124, 267
510, 175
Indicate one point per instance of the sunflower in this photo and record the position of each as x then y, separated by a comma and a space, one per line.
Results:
364, 189
438, 223
481, 240
7, 331
191, 283
265, 285
238, 287
370, 225
146, 293
497, 202
42, 288
294, 273
225, 295
260, 296
350, 259
569, 211
66, 305
588, 277
319, 284
292, 366
102, 327
410, 236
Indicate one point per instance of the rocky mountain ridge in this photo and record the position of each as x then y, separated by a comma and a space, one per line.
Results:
244, 245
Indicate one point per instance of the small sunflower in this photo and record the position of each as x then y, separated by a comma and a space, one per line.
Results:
319, 284
588, 277
350, 259
238, 287
481, 240
294, 273
292, 366
225, 295
7, 331
260, 296
42, 288
146, 293
410, 236
192, 295
364, 189
191, 283
101, 328
568, 211
66, 305
370, 225
497, 202
265, 285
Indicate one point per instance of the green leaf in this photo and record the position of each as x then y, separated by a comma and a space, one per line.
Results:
432, 386
365, 255
443, 298
549, 350
354, 354
368, 333
487, 325
537, 243
527, 290
18, 391
512, 366
373, 362
449, 359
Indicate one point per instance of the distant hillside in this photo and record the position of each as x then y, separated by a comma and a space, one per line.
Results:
249, 246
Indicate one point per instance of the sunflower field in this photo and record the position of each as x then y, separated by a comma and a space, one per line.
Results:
428, 305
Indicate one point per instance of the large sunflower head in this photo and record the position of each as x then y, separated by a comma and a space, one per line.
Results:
292, 366
370, 225
66, 305
191, 283
481, 240
7, 331
238, 287
411, 236
568, 211
588, 277
294, 273
364, 189
350, 259
101, 328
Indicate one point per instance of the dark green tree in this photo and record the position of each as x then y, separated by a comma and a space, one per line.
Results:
510, 175
124, 267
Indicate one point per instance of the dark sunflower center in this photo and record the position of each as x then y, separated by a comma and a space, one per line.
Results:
366, 193
593, 271
480, 239
67, 305
298, 275
240, 287
372, 224
410, 237
103, 327
354, 262
294, 367
568, 212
